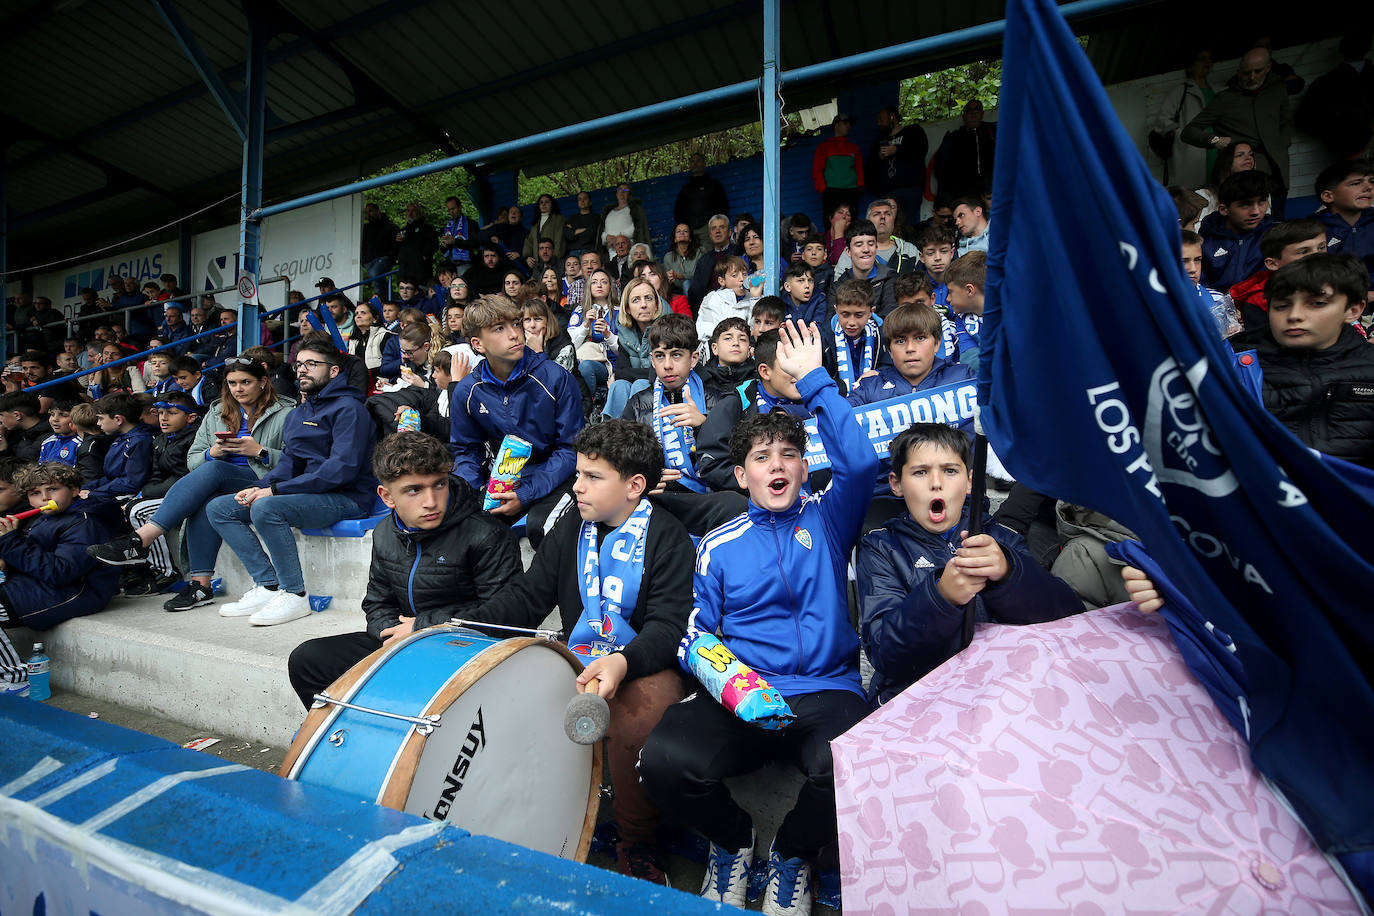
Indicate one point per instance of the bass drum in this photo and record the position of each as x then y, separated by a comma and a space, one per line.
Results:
453, 725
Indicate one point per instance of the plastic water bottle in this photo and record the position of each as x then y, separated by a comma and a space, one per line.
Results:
39, 668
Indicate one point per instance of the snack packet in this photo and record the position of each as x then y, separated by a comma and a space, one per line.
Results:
735, 685
505, 469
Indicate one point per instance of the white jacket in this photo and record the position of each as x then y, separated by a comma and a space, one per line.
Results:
1188, 165
719, 305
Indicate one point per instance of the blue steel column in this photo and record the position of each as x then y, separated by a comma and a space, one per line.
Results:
772, 144
184, 268
250, 229
4, 259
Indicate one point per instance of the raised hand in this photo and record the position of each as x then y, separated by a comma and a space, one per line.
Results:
799, 350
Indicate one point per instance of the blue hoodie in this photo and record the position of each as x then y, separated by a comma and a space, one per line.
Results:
1343, 238
539, 402
128, 465
815, 310
327, 447
791, 623
1227, 256
908, 627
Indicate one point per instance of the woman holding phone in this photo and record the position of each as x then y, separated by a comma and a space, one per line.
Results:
238, 442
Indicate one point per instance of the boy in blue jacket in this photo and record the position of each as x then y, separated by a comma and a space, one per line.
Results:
1231, 236
514, 391
47, 576
323, 475
129, 461
913, 339
917, 574
1347, 189
772, 584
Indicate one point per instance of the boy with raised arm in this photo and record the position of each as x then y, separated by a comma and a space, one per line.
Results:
772, 585
620, 572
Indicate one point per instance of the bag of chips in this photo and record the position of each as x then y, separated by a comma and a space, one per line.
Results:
735, 685
505, 470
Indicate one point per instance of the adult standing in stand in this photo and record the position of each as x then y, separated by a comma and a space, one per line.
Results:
896, 166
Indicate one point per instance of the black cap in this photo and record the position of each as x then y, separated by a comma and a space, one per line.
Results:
324, 281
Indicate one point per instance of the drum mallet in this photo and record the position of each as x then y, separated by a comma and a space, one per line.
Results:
587, 717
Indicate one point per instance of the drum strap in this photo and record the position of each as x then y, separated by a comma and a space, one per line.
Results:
610, 584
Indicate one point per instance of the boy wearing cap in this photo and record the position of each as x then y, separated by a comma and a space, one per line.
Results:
837, 169
178, 416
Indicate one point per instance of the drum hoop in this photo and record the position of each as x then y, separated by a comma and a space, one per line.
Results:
318, 720
398, 781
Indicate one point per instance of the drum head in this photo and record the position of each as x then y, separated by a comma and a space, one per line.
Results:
501, 765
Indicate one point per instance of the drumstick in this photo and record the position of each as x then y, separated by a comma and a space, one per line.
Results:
49, 506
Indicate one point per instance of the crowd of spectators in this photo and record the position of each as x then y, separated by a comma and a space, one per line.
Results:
500, 331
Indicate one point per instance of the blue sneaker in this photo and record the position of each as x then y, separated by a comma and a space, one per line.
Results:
727, 875
788, 892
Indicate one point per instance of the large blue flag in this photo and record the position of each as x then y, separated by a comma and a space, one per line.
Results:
1106, 384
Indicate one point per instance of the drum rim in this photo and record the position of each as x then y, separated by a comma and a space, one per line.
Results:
399, 780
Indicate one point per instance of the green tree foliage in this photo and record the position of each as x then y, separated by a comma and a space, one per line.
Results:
429, 191
941, 95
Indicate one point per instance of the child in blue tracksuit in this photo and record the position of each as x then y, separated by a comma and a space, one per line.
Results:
913, 335
1347, 189
1231, 236
918, 574
517, 392
48, 578
772, 585
129, 461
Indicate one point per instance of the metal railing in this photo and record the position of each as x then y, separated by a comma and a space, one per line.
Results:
324, 315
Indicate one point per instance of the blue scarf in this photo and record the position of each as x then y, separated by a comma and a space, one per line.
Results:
765, 401
608, 601
849, 374
680, 442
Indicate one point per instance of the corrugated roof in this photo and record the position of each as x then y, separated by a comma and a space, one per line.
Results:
100, 94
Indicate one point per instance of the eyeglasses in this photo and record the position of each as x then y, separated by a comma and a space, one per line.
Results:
407, 354
311, 364
239, 361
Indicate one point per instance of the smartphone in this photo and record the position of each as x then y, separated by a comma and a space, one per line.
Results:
221, 436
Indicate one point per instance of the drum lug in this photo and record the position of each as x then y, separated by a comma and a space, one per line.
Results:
338, 736
424, 725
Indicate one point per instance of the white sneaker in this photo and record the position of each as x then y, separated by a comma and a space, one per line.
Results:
727, 875
283, 608
253, 600
788, 892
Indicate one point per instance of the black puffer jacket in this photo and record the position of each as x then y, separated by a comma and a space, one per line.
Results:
440, 574
169, 461
1324, 397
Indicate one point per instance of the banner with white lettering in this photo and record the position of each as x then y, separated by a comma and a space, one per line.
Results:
883, 420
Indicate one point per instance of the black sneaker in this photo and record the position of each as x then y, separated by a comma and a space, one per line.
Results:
125, 550
148, 585
193, 595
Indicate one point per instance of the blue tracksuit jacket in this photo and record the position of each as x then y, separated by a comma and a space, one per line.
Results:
773, 586
1228, 257
128, 465
327, 447
1343, 238
908, 627
539, 403
49, 577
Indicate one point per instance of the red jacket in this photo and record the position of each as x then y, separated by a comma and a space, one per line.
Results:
836, 146
1250, 300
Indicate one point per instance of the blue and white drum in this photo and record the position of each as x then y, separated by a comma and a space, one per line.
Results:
453, 725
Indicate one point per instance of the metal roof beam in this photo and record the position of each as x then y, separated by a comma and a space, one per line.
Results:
680, 29
228, 101
365, 88
114, 175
